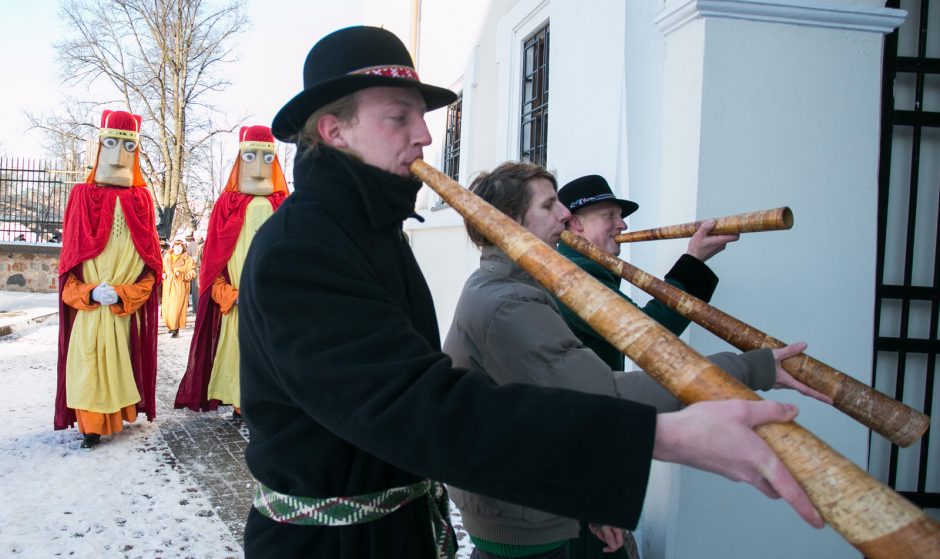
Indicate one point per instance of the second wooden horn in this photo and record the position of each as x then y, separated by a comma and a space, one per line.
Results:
774, 219
900, 423
869, 515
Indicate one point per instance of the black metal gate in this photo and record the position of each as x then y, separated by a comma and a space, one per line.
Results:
907, 296
32, 200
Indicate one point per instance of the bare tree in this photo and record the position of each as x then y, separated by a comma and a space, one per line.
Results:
161, 57
68, 135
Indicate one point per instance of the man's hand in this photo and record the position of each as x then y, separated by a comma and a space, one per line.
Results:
718, 437
703, 245
612, 537
104, 294
786, 380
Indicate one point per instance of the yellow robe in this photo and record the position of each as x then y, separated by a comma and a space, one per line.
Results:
98, 372
223, 383
179, 270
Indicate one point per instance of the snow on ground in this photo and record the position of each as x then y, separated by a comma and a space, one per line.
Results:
122, 499
129, 497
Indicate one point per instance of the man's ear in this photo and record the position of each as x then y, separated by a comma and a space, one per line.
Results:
574, 224
331, 130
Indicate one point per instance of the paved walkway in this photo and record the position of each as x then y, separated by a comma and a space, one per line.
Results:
211, 448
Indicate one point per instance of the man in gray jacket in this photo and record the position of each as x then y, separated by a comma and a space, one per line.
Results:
509, 326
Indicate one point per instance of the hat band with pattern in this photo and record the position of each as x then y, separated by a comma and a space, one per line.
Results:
388, 72
587, 200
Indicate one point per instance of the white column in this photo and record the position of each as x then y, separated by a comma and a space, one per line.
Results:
766, 104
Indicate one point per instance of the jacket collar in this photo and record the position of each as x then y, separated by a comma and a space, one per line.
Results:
586, 263
388, 199
495, 260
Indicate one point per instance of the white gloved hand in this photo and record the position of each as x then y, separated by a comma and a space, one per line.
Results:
104, 294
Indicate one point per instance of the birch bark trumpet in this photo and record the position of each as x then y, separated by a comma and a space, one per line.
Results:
869, 515
775, 219
894, 420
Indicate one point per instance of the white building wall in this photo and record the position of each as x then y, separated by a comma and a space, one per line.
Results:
718, 116
762, 115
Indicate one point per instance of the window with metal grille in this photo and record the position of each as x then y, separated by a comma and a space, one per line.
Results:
907, 292
533, 130
451, 164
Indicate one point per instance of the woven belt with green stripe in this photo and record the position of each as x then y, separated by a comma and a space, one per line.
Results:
343, 511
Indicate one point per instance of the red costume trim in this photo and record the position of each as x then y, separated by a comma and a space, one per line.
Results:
225, 224
89, 215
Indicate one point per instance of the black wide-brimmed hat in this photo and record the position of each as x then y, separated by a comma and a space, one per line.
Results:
346, 61
589, 190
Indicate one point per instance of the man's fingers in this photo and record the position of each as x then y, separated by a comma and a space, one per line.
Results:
766, 411
766, 488
812, 393
788, 351
790, 491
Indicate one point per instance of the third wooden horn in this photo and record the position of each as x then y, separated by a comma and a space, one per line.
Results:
868, 514
774, 219
900, 423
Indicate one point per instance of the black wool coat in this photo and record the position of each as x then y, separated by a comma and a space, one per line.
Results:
345, 390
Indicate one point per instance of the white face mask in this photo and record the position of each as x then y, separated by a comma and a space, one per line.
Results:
177, 250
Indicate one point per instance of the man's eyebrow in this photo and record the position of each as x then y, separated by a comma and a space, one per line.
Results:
408, 104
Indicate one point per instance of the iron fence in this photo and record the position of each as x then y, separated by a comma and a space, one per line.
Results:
33, 194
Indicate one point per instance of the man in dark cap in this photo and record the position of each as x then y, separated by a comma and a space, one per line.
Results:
356, 415
598, 216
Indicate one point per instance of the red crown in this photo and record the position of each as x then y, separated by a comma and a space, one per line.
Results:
255, 133
121, 120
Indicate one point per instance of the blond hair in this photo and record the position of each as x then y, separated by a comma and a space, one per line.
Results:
345, 109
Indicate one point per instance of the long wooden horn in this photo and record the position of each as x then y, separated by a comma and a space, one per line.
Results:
774, 219
900, 423
868, 514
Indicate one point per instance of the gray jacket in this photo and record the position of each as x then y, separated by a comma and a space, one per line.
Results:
509, 327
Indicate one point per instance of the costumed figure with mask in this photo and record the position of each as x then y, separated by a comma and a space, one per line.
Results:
179, 269
109, 266
255, 189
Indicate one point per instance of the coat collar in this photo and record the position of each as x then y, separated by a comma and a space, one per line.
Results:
495, 260
387, 199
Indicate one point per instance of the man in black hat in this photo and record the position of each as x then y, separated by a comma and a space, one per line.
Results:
598, 216
356, 415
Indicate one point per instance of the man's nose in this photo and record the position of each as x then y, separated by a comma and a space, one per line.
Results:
422, 134
564, 215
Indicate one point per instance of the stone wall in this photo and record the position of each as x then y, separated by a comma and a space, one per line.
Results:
29, 267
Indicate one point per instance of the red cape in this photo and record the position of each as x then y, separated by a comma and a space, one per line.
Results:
225, 224
89, 215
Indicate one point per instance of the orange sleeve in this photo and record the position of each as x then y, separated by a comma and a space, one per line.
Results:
77, 294
133, 296
189, 270
166, 264
224, 294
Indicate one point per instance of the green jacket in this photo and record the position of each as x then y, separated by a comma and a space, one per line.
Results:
688, 274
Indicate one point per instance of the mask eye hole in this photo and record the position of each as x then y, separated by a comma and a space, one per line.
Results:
269, 158
130, 145
109, 142
248, 156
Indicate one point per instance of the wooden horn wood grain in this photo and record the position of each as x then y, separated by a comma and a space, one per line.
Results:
775, 219
898, 422
868, 514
